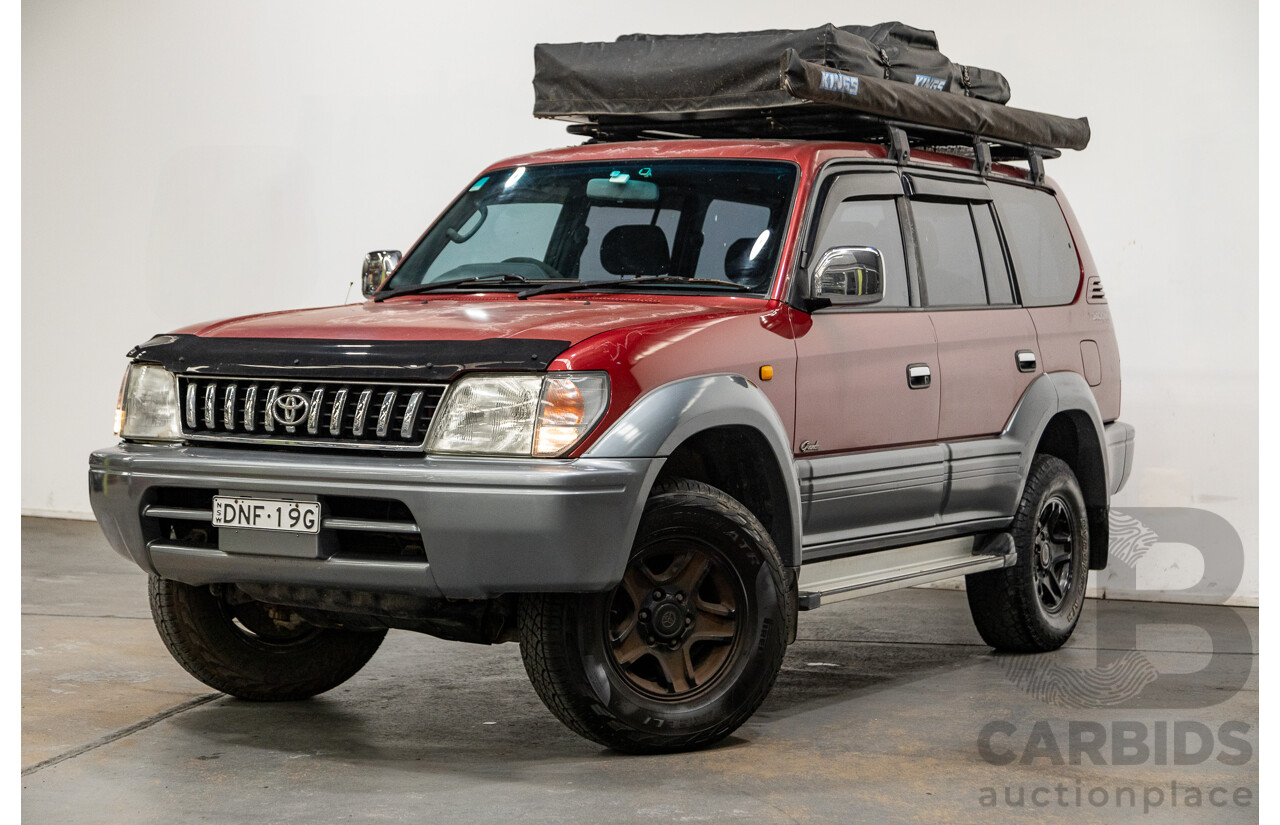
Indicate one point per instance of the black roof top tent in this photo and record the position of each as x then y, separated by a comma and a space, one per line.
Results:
883, 84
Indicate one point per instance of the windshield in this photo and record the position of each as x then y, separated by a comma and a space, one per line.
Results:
716, 220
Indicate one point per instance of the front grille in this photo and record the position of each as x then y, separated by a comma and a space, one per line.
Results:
332, 414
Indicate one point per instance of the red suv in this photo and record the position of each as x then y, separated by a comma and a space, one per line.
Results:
634, 404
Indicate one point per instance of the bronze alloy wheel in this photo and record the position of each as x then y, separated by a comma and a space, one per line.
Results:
684, 648
673, 620
1052, 553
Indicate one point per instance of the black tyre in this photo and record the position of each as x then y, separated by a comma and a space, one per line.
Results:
252, 651
685, 649
1034, 605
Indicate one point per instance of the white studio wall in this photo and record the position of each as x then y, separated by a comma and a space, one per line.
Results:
193, 160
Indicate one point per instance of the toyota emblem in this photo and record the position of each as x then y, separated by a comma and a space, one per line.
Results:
290, 409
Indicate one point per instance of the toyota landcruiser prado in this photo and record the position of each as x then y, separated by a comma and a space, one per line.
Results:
634, 404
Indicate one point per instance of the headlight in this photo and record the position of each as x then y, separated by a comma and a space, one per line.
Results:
540, 415
148, 406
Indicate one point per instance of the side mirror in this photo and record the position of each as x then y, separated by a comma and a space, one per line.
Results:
377, 267
847, 275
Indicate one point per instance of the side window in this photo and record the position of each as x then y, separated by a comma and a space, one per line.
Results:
999, 290
1044, 258
871, 223
949, 259
603, 218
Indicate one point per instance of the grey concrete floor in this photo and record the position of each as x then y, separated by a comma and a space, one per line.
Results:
877, 717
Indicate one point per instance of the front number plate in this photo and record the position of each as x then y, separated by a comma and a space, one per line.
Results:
267, 514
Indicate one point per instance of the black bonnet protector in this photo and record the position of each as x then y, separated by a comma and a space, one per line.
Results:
310, 358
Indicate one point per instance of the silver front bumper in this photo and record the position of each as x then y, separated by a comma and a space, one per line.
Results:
489, 526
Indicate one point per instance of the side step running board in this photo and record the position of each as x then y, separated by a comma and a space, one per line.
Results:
861, 575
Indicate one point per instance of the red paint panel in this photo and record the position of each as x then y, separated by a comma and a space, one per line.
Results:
1060, 331
852, 384
464, 318
981, 382
646, 356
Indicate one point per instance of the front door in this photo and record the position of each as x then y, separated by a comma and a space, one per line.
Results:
866, 407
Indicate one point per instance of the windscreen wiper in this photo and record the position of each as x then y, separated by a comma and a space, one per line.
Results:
604, 286
501, 278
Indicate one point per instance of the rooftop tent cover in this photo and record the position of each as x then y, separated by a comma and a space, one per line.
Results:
890, 71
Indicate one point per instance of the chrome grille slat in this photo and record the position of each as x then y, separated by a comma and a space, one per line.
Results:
313, 417
229, 408
210, 399
250, 407
384, 416
411, 415
268, 420
335, 418
362, 409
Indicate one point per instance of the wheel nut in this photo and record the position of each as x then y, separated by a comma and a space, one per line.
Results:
688, 620
658, 594
679, 597
644, 614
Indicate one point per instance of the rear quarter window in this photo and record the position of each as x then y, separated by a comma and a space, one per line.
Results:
1045, 264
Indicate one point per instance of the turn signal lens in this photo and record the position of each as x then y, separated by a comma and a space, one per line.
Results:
571, 406
562, 403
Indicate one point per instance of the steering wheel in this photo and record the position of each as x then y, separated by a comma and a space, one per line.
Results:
544, 268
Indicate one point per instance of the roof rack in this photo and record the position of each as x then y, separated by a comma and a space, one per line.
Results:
817, 122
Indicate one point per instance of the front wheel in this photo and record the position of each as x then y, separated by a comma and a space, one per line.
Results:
252, 650
685, 648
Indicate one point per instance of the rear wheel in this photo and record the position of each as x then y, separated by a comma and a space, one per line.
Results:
685, 648
1034, 605
253, 650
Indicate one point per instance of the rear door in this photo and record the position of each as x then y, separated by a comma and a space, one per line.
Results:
987, 349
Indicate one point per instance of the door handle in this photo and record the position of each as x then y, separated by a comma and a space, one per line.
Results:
919, 376
1026, 360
